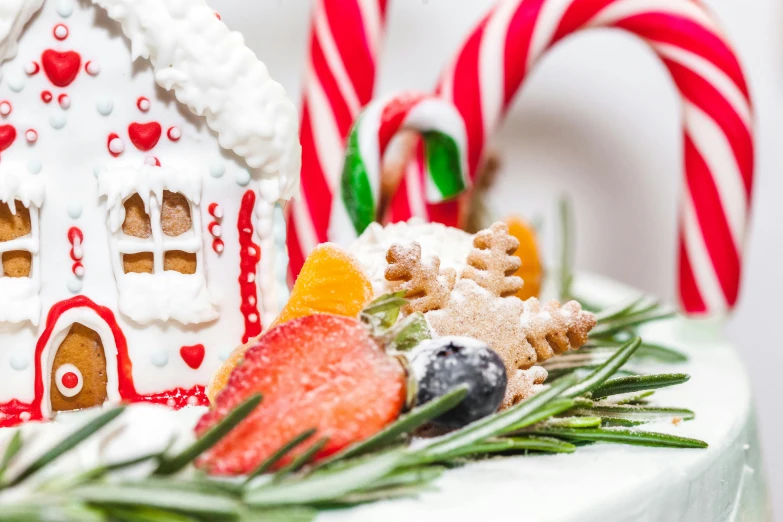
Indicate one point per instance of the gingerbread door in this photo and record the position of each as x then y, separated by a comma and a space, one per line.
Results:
79, 372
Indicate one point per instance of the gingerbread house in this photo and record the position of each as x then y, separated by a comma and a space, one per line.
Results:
143, 152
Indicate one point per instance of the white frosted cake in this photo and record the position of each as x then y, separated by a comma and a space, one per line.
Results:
154, 367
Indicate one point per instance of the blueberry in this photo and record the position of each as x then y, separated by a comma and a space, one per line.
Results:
440, 365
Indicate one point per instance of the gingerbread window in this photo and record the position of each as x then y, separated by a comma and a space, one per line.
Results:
21, 196
157, 246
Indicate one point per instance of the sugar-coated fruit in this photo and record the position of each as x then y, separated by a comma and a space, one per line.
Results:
531, 271
330, 282
322, 371
440, 365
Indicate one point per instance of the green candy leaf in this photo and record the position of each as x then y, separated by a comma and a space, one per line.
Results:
410, 332
382, 313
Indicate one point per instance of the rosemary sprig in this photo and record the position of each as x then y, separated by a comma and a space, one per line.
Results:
597, 401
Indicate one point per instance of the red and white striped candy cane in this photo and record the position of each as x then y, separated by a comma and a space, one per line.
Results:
358, 200
344, 43
717, 119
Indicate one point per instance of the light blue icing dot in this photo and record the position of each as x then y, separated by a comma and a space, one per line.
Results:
34, 166
217, 170
75, 210
160, 359
58, 121
65, 8
19, 361
15, 82
105, 107
75, 286
242, 178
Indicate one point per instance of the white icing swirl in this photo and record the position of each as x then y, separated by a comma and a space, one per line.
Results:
209, 68
14, 15
451, 245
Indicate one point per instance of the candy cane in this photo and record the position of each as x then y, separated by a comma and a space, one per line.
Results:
339, 81
495, 61
443, 130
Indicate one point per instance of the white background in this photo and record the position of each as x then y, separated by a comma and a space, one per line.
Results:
600, 121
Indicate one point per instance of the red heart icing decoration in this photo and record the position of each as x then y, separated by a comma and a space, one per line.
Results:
7, 136
192, 355
61, 68
145, 135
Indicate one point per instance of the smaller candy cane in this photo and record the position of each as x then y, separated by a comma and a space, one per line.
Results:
443, 131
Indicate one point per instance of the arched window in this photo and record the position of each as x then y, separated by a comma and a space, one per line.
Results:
157, 249
21, 196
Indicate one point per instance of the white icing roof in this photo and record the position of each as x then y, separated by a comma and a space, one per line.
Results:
17, 184
14, 14
209, 69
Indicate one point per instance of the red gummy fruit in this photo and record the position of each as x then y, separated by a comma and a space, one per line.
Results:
321, 371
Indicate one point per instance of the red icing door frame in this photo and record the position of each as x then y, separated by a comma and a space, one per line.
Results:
126, 388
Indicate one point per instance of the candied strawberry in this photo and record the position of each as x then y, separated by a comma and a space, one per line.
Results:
322, 371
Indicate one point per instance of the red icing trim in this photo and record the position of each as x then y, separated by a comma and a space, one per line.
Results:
124, 366
46, 96
249, 256
112, 136
15, 412
33, 68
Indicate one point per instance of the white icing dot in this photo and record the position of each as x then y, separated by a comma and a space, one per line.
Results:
192, 401
251, 277
15, 82
60, 32
64, 8
58, 121
105, 107
75, 286
253, 318
159, 359
31, 136
251, 300
19, 361
150, 160
25, 416
75, 210
92, 68
117, 146
242, 177
5, 108
64, 101
143, 104
217, 170
78, 271
216, 230
34, 166
32, 68
251, 251
171, 403
219, 246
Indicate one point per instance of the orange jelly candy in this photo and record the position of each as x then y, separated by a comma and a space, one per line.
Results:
331, 282
531, 271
